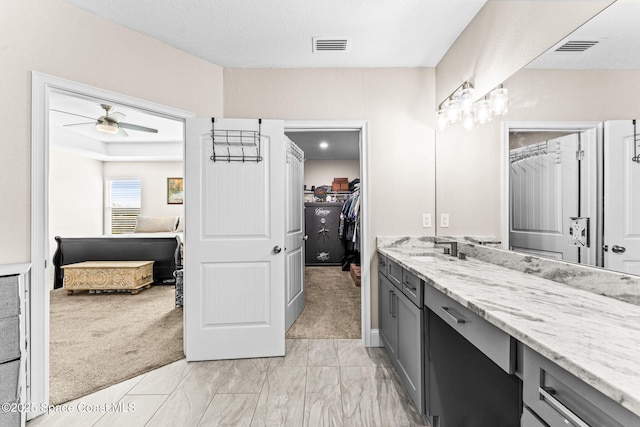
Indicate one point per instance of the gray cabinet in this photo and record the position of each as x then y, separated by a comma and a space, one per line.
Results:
401, 330
11, 361
554, 397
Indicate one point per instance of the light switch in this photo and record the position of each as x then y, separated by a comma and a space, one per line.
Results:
444, 220
426, 220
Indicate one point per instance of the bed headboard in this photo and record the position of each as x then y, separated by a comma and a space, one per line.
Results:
164, 251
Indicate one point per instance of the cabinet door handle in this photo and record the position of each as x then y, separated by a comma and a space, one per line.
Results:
408, 285
452, 314
394, 304
391, 303
566, 412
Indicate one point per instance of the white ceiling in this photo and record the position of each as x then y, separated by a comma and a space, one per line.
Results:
255, 33
85, 140
617, 31
342, 145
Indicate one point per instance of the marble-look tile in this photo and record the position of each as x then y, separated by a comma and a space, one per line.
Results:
282, 398
353, 353
162, 380
359, 387
230, 410
323, 400
189, 401
84, 418
134, 411
295, 354
245, 376
323, 352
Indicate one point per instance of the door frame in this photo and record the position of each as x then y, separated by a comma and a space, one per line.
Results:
38, 295
370, 338
552, 126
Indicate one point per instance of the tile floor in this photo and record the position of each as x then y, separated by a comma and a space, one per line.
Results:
320, 382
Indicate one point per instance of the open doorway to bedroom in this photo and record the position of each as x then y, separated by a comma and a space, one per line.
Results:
115, 199
333, 233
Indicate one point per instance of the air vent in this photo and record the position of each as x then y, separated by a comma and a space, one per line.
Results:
330, 45
576, 46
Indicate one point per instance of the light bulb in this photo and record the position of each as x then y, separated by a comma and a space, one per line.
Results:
482, 111
453, 112
465, 100
499, 99
467, 122
442, 119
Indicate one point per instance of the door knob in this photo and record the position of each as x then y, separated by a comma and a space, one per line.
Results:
277, 249
618, 249
305, 237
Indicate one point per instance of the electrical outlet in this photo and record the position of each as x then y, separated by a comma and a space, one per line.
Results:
426, 220
444, 220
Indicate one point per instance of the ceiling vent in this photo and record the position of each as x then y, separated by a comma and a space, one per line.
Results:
330, 44
576, 46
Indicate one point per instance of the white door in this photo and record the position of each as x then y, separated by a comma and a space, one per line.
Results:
621, 198
234, 236
294, 247
544, 195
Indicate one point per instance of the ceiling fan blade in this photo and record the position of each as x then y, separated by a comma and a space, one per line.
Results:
116, 116
80, 124
137, 127
73, 114
122, 132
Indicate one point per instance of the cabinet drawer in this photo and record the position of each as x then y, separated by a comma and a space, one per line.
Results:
412, 287
9, 339
560, 398
492, 341
9, 373
529, 419
9, 301
382, 264
394, 273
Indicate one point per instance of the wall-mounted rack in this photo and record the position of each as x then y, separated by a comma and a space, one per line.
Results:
236, 145
535, 150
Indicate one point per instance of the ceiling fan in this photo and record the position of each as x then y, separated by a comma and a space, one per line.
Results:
110, 122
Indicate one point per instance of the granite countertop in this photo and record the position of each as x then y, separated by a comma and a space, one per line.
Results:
594, 337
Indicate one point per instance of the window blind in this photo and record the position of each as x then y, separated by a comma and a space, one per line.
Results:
123, 206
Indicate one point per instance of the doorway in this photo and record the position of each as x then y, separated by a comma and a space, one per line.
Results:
336, 243
45, 89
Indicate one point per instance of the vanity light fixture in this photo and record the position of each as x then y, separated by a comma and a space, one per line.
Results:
460, 105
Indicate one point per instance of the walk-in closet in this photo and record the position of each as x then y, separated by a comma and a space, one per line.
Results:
332, 212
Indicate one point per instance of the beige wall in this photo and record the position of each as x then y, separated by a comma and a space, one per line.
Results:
53, 37
75, 196
504, 37
469, 163
398, 105
322, 172
153, 176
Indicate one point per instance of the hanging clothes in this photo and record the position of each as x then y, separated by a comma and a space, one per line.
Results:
350, 219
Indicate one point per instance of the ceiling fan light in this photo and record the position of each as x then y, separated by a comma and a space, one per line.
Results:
107, 127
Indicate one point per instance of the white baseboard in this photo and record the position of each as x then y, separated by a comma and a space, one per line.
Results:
374, 339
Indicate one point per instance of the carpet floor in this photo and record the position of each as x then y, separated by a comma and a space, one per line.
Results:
97, 340
332, 305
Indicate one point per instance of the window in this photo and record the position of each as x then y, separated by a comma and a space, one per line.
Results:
122, 205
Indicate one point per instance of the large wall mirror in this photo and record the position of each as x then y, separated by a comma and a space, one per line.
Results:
572, 166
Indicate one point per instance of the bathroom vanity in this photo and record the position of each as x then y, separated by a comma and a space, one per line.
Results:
488, 345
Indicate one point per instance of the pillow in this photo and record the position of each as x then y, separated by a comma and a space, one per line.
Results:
180, 224
154, 224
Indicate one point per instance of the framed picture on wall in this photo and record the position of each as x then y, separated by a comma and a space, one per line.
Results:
175, 191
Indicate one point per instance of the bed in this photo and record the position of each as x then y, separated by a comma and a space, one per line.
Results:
148, 243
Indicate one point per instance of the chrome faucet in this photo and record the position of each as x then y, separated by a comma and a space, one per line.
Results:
452, 250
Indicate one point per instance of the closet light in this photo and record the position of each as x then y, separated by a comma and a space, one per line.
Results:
324, 145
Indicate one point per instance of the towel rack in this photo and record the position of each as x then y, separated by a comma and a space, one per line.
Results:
236, 145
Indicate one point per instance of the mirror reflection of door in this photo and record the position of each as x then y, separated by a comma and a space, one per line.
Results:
622, 196
554, 178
